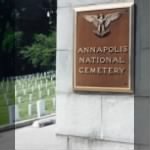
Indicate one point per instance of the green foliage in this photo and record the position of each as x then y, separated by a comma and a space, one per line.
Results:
11, 41
41, 54
4, 119
8, 42
18, 39
18, 24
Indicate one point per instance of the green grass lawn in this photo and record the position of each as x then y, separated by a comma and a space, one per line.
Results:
4, 118
27, 84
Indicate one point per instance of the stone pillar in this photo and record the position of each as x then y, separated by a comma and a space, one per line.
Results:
142, 75
90, 121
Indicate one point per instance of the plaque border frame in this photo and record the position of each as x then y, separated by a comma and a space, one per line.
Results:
130, 88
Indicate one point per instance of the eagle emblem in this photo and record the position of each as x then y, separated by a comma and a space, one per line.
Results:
102, 22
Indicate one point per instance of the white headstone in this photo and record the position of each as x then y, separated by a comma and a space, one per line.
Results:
39, 87
35, 83
30, 98
2, 83
19, 99
48, 92
15, 86
30, 109
16, 93
51, 77
40, 94
46, 83
6, 99
13, 114
7, 87
40, 108
54, 101
41, 83
32, 88
24, 91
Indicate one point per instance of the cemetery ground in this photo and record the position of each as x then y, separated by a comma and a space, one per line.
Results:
27, 97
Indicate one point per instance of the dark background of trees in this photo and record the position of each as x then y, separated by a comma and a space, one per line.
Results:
27, 36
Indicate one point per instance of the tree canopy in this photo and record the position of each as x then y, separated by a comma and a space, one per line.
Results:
27, 30
41, 54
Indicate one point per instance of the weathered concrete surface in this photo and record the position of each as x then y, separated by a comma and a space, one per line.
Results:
7, 140
74, 3
30, 138
78, 143
142, 75
94, 115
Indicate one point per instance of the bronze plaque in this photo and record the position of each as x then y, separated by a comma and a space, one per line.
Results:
103, 49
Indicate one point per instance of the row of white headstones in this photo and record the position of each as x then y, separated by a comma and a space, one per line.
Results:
14, 115
27, 82
33, 81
